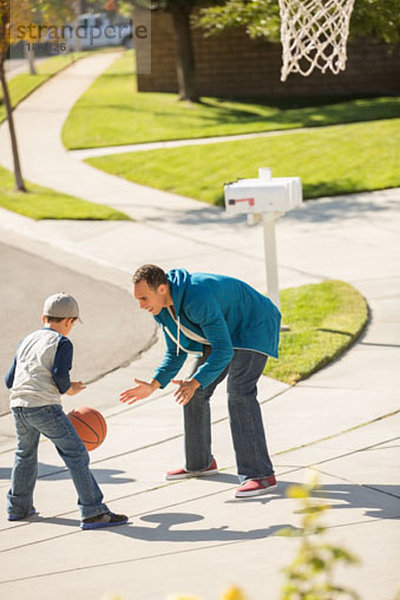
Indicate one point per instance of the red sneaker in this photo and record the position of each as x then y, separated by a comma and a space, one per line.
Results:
256, 487
183, 474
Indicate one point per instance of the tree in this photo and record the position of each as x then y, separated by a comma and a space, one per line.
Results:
7, 37
181, 12
30, 57
44, 12
57, 12
17, 17
377, 19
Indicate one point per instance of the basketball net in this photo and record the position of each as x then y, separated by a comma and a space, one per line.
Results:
314, 35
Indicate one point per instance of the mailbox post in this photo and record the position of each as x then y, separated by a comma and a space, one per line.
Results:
267, 197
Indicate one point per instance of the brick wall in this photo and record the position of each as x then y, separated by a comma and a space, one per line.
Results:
230, 64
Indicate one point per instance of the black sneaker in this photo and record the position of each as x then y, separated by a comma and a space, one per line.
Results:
107, 519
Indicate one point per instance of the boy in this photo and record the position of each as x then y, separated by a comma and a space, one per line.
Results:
36, 378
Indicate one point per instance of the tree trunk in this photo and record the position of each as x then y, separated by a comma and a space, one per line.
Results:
77, 41
19, 182
30, 57
185, 65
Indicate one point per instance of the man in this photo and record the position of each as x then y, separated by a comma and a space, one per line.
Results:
232, 329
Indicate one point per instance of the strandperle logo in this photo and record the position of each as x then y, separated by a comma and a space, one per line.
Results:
34, 34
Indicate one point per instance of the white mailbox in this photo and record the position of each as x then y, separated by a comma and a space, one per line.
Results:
264, 194
267, 197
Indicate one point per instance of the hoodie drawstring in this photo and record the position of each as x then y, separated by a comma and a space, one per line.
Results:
179, 333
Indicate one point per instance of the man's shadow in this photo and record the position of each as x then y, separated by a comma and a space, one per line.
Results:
378, 501
221, 477
168, 530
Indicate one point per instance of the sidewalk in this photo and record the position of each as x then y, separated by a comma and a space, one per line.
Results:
191, 537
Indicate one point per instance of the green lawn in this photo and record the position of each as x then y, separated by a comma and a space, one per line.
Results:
335, 160
112, 112
42, 203
324, 319
24, 84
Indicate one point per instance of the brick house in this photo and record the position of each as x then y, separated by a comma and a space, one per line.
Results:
233, 65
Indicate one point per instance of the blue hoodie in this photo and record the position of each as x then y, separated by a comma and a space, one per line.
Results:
226, 312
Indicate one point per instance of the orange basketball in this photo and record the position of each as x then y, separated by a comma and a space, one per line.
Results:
90, 425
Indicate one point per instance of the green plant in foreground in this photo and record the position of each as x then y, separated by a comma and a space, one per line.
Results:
310, 576
233, 593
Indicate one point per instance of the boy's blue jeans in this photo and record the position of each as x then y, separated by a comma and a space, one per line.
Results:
245, 418
52, 422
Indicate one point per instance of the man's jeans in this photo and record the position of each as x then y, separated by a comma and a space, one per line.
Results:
55, 425
245, 418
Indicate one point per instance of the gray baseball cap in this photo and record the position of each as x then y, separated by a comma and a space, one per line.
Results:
61, 305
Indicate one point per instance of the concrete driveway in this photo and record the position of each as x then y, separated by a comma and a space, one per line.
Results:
343, 423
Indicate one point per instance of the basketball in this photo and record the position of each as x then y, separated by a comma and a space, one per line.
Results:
90, 425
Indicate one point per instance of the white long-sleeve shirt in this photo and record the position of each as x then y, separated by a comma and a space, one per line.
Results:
40, 369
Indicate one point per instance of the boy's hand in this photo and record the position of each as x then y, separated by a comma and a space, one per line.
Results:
76, 387
186, 390
140, 391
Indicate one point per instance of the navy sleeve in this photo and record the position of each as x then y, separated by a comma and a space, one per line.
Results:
9, 378
62, 365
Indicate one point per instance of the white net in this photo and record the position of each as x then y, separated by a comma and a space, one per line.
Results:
314, 35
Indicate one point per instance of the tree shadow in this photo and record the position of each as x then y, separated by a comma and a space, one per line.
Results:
208, 214
5, 472
323, 205
53, 473
63, 521
379, 501
339, 207
275, 113
102, 476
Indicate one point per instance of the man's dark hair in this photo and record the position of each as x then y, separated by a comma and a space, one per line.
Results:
154, 276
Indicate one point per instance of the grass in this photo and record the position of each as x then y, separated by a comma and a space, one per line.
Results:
24, 84
112, 112
324, 320
42, 203
336, 160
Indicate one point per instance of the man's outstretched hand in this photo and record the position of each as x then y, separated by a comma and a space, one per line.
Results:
185, 391
143, 389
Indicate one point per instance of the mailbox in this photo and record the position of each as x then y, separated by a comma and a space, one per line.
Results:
264, 194
265, 198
